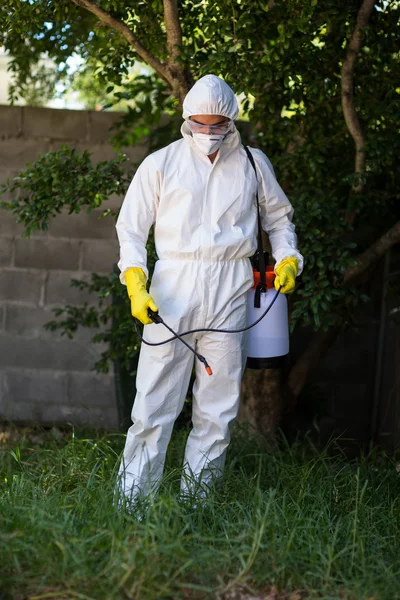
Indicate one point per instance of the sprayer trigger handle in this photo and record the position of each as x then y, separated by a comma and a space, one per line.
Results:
154, 316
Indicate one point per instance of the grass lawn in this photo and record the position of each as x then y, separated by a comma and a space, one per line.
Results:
288, 523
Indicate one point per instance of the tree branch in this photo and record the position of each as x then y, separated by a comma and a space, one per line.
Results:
373, 253
173, 28
181, 80
110, 21
348, 105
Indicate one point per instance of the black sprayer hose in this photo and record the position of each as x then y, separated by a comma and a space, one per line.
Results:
157, 319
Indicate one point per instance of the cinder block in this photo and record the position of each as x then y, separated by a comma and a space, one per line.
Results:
40, 397
29, 322
91, 389
18, 152
10, 228
34, 353
5, 252
10, 121
60, 291
8, 224
83, 225
20, 412
20, 285
100, 123
38, 387
98, 152
47, 254
99, 255
99, 418
63, 225
55, 123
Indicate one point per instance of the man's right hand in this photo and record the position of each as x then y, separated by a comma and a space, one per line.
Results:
140, 298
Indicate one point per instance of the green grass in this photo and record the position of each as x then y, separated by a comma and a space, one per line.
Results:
296, 518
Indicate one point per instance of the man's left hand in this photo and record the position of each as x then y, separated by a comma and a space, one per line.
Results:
286, 272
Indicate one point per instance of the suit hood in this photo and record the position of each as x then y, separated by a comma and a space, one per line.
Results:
210, 95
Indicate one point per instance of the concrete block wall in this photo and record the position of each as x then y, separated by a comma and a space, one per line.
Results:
45, 377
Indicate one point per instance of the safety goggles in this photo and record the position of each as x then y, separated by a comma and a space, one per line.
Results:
221, 128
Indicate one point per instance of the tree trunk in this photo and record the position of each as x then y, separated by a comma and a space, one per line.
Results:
262, 402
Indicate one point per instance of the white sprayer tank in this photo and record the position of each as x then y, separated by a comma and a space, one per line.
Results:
268, 341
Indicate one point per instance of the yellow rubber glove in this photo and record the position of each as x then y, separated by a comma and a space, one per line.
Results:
286, 272
140, 298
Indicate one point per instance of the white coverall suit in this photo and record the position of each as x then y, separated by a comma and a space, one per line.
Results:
205, 217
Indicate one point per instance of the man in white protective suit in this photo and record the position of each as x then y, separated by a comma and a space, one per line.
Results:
199, 192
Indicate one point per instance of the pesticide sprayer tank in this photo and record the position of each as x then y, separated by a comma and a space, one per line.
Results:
268, 341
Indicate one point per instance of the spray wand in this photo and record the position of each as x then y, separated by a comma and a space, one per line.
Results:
156, 318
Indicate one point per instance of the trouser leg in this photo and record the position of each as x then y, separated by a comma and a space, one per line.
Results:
215, 405
162, 382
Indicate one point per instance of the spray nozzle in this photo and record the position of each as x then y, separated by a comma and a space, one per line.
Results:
205, 363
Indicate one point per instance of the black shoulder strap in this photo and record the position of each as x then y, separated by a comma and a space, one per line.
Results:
262, 287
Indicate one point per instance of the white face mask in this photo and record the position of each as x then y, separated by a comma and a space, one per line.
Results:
208, 143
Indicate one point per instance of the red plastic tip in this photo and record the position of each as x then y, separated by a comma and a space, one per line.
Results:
209, 370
